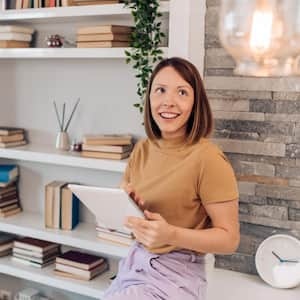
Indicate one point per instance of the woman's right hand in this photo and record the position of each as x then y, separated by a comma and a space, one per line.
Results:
128, 188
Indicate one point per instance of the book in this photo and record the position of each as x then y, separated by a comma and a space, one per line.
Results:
10, 130
8, 172
57, 204
104, 29
91, 2
85, 274
100, 228
13, 137
6, 246
12, 144
103, 37
15, 36
103, 44
74, 276
32, 253
14, 44
26, 4
31, 263
7, 184
5, 252
105, 155
108, 139
37, 245
69, 209
7, 191
107, 148
10, 212
19, 4
115, 238
66, 3
8, 202
6, 238
10, 4
80, 260
8, 196
40, 260
8, 208
49, 199
53, 204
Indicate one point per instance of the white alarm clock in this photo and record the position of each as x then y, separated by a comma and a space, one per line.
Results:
277, 261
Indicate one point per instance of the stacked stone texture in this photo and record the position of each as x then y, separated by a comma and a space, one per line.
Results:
257, 124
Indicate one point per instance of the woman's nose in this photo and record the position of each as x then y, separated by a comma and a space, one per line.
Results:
168, 101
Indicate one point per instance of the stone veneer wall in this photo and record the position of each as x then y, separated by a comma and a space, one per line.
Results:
257, 124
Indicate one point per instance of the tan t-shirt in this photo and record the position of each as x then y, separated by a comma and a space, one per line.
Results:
175, 180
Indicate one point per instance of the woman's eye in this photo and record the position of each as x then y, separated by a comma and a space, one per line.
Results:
160, 90
182, 92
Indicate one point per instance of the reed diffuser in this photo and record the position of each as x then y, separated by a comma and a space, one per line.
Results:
62, 139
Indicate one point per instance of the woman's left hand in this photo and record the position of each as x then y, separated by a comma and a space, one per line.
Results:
153, 232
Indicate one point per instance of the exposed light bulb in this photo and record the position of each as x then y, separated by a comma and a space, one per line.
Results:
261, 30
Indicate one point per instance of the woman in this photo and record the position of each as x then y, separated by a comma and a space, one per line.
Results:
186, 187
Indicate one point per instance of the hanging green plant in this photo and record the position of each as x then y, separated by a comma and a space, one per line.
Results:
145, 41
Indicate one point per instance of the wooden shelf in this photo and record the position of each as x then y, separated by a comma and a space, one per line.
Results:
44, 14
50, 155
66, 53
93, 288
83, 236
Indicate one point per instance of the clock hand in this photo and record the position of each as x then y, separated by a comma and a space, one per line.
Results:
290, 260
285, 260
277, 256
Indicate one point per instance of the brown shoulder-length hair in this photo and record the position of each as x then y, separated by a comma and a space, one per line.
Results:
200, 122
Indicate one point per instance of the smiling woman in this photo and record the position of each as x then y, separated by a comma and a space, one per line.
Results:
186, 187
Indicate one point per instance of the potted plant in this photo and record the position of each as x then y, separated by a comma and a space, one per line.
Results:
145, 41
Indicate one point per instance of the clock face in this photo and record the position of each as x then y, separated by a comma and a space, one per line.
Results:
277, 261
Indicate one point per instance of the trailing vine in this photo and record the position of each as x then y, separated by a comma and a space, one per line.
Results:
145, 41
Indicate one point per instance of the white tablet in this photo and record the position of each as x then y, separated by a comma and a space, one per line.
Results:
109, 205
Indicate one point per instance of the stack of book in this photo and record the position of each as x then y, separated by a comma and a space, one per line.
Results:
74, 264
35, 252
92, 2
21, 4
12, 36
104, 36
6, 243
115, 146
115, 236
11, 136
9, 200
61, 206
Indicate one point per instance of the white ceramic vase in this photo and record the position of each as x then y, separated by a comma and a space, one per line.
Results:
62, 141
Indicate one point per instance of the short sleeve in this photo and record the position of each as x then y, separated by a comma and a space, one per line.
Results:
126, 175
217, 181
128, 170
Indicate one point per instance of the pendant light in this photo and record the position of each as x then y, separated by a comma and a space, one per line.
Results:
263, 36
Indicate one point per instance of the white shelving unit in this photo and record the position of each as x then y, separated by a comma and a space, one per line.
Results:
50, 155
67, 53
83, 236
182, 19
55, 13
93, 288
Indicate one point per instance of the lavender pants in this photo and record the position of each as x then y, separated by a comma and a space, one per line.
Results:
142, 275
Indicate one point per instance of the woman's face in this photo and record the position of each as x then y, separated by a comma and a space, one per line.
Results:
171, 102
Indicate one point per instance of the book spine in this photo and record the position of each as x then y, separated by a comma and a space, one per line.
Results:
75, 211
4, 177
